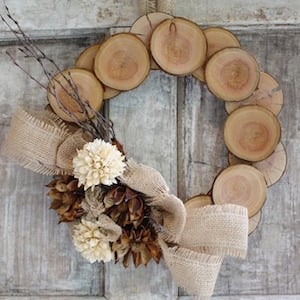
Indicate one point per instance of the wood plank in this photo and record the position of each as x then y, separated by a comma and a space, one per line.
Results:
51, 298
37, 255
68, 15
145, 122
272, 265
254, 297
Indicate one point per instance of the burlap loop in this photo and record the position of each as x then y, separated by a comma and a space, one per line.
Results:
154, 184
217, 229
33, 140
203, 235
173, 215
41, 142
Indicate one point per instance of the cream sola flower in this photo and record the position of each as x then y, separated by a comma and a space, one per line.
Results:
92, 238
98, 162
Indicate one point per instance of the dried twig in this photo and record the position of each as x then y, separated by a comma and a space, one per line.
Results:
96, 125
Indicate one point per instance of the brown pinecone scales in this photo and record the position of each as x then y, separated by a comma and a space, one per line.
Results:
128, 209
66, 198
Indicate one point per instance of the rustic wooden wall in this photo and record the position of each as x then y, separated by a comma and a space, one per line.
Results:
174, 125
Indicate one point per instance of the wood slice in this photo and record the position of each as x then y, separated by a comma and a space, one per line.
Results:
252, 132
232, 74
144, 26
198, 201
86, 60
233, 160
274, 166
268, 94
242, 185
88, 88
178, 46
253, 222
217, 38
122, 62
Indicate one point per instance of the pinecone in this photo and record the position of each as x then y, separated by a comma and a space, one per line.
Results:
66, 198
129, 210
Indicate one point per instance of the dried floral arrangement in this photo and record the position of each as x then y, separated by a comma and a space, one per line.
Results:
121, 210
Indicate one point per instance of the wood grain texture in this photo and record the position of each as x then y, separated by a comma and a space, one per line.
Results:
145, 122
273, 260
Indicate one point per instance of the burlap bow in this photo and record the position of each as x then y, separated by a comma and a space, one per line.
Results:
201, 236
193, 242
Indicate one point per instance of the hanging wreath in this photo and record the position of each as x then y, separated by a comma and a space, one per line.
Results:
121, 210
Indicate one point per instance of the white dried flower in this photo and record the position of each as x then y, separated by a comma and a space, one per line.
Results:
92, 241
98, 162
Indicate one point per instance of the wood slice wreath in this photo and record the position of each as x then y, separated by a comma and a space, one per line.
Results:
122, 210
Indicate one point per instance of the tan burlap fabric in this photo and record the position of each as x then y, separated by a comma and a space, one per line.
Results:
41, 142
155, 187
68, 149
33, 140
149, 6
203, 235
214, 230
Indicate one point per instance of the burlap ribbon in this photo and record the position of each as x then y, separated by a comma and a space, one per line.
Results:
202, 236
41, 142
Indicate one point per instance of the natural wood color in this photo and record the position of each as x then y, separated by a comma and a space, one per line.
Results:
232, 74
144, 26
274, 166
122, 62
198, 201
86, 60
252, 132
242, 185
253, 222
61, 95
178, 46
234, 160
217, 38
268, 94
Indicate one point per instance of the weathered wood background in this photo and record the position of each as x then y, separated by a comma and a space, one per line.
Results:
173, 124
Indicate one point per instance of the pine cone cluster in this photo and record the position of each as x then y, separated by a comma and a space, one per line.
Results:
127, 208
66, 198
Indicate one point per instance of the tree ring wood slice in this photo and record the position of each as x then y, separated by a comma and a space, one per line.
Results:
268, 94
86, 60
144, 26
232, 74
89, 89
252, 132
253, 222
198, 201
178, 46
122, 62
274, 166
217, 38
242, 185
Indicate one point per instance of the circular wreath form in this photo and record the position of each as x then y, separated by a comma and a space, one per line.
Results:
120, 209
